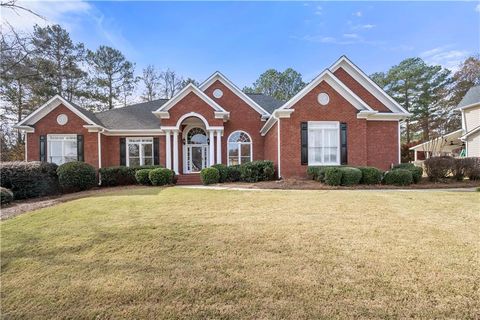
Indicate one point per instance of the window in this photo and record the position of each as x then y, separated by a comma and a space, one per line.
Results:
139, 152
62, 148
323, 143
239, 148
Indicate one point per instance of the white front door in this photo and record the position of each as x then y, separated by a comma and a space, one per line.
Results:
195, 150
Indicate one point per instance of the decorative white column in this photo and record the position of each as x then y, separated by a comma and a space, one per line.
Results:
211, 147
415, 155
175, 151
219, 146
168, 150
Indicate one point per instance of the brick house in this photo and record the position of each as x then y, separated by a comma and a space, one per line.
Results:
341, 117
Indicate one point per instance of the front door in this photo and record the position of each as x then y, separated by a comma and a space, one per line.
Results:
196, 150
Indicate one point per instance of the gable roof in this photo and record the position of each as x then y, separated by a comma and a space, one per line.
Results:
266, 102
367, 83
248, 100
471, 98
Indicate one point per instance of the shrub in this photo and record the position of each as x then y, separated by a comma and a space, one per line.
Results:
312, 172
472, 168
438, 168
458, 169
399, 177
210, 175
350, 176
233, 173
161, 176
260, 170
223, 171
29, 179
76, 176
120, 175
333, 176
417, 172
370, 175
142, 176
6, 196
407, 166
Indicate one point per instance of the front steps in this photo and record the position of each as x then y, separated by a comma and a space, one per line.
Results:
190, 179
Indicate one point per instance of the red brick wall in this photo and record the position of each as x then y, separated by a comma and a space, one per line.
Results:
242, 117
360, 91
271, 146
382, 137
308, 109
48, 125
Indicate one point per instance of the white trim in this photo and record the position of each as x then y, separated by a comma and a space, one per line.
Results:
446, 136
160, 112
188, 115
52, 135
219, 146
277, 114
168, 150
25, 128
26, 146
133, 132
336, 84
47, 107
230, 85
240, 143
469, 133
475, 104
175, 151
211, 147
322, 123
279, 160
140, 149
382, 116
399, 133
186, 146
99, 145
357, 74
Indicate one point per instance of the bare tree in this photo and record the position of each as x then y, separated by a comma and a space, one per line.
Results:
171, 83
151, 80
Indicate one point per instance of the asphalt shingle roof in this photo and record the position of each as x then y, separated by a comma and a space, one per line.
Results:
472, 96
266, 102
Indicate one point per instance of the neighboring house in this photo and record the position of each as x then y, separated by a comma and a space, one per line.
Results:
464, 142
341, 117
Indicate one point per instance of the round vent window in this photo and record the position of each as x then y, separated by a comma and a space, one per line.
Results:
323, 98
217, 93
62, 119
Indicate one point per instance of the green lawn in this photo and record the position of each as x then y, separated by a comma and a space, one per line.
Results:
190, 253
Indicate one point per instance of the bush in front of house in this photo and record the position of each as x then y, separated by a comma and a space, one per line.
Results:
350, 176
417, 172
438, 168
6, 196
223, 171
210, 175
233, 173
333, 176
142, 176
398, 177
370, 175
259, 170
29, 179
76, 176
121, 175
161, 176
471, 168
318, 172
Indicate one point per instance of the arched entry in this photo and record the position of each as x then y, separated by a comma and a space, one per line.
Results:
195, 150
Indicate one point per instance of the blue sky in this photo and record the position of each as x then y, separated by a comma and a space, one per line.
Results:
242, 39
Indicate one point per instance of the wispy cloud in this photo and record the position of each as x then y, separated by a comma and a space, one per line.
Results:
367, 26
477, 8
445, 56
358, 14
345, 39
318, 10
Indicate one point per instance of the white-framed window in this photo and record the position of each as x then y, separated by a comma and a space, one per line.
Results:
61, 148
323, 143
239, 148
139, 152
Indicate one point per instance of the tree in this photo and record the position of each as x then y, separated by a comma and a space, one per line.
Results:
280, 85
466, 77
58, 61
187, 81
112, 73
151, 81
171, 83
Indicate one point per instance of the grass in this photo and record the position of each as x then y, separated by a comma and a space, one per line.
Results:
185, 253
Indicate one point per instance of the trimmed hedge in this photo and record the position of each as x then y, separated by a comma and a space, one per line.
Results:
210, 175
370, 175
6, 196
471, 168
233, 173
438, 168
142, 176
76, 176
398, 177
333, 176
29, 179
417, 172
121, 175
318, 172
161, 176
260, 170
223, 171
350, 176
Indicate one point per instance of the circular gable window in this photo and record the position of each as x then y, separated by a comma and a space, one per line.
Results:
217, 93
62, 119
323, 98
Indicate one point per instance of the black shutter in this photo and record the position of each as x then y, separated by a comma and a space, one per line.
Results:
43, 148
123, 152
156, 149
343, 143
304, 142
80, 156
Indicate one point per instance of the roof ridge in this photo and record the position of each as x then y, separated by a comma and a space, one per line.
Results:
132, 105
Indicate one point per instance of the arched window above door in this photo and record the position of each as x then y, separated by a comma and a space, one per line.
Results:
239, 148
196, 136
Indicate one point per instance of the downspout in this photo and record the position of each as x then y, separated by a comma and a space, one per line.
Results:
278, 150
400, 144
26, 146
99, 144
